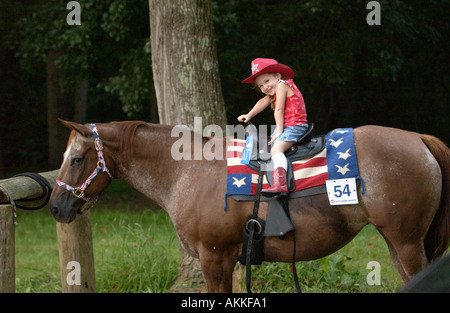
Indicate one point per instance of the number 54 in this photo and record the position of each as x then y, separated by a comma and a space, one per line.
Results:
338, 192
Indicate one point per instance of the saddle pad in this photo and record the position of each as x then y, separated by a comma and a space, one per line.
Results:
341, 154
242, 180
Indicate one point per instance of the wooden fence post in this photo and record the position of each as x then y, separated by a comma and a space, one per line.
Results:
75, 245
74, 239
7, 250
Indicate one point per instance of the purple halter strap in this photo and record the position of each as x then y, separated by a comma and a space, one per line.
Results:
101, 167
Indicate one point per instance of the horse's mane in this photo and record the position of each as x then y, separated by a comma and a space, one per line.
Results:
126, 132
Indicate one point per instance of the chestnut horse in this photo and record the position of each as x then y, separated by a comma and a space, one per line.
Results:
406, 180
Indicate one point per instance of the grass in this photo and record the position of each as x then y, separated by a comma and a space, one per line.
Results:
344, 271
137, 253
136, 250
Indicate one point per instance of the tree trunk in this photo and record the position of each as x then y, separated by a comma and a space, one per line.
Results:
2, 167
57, 134
184, 63
187, 83
80, 101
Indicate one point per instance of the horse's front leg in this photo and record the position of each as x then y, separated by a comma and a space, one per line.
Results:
217, 267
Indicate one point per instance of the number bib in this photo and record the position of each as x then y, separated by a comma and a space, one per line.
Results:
342, 191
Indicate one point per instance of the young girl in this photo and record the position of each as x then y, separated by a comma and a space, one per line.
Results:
275, 81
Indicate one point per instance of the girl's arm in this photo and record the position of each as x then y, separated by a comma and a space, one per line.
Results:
281, 91
257, 108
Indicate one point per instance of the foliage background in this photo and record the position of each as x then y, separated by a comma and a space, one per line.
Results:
350, 73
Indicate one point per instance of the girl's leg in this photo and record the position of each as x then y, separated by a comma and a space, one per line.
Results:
280, 146
280, 167
277, 152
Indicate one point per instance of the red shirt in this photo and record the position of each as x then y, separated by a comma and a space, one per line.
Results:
294, 107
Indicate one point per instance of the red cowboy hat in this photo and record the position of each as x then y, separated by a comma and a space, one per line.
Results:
263, 66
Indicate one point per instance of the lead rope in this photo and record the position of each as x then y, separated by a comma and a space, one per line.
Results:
46, 192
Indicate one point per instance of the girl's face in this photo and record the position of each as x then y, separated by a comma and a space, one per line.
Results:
267, 83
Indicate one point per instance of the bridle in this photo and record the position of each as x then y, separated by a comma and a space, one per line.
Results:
101, 167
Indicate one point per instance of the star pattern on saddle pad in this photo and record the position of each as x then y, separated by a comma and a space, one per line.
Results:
335, 143
239, 182
344, 155
342, 170
341, 154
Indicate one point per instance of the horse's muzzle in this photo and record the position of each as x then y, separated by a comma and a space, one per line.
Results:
62, 218
64, 207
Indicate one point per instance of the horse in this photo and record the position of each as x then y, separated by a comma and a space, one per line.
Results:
406, 180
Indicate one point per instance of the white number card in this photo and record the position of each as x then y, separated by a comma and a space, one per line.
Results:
342, 191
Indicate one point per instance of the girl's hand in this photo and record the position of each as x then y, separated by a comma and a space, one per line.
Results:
274, 137
244, 118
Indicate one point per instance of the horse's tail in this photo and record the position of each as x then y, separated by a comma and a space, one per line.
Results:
437, 239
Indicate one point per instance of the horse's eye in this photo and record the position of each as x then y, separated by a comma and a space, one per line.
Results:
77, 161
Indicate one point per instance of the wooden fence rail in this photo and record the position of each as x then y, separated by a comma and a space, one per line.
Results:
74, 239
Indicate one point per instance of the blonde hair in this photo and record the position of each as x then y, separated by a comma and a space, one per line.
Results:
272, 102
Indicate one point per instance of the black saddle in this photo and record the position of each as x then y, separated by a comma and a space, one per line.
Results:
305, 147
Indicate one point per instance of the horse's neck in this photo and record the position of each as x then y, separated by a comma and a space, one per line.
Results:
148, 168
153, 171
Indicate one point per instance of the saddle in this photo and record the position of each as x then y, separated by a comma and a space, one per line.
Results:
305, 147
278, 218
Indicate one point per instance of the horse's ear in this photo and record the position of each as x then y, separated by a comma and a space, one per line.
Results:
82, 129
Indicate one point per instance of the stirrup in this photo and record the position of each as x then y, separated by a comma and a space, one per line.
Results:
274, 195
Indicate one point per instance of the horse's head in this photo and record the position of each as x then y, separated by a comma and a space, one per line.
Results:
83, 174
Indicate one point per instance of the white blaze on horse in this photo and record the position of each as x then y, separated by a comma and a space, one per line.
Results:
406, 180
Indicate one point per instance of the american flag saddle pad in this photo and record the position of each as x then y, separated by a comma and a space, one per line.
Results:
337, 160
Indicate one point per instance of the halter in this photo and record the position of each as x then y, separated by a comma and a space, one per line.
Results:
101, 167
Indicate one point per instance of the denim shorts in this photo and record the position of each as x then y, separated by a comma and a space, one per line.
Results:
291, 133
